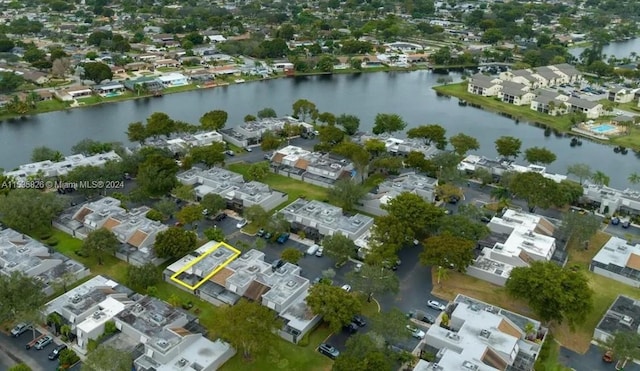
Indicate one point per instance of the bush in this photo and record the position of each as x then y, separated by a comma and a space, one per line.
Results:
304, 341
45, 235
110, 328
156, 215
92, 345
69, 358
52, 242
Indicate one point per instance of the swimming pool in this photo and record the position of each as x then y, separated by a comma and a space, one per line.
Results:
110, 95
604, 128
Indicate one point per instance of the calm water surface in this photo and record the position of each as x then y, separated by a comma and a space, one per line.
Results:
408, 94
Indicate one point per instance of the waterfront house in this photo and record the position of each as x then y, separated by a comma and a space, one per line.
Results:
621, 94
76, 92
515, 93
150, 83
486, 86
549, 102
173, 79
112, 87
591, 109
403, 47
521, 76
610, 200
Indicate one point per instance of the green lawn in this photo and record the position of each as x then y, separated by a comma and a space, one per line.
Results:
179, 89
279, 354
294, 188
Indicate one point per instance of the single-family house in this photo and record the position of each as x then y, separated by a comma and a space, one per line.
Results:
136, 66
165, 63
110, 88
162, 38
76, 92
621, 94
36, 77
173, 79
484, 85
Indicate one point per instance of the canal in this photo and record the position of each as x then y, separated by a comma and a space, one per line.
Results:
406, 93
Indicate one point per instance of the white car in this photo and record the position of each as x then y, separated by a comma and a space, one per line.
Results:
346, 288
436, 305
248, 149
416, 332
205, 212
241, 223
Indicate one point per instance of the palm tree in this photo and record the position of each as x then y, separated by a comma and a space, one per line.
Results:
529, 330
32, 98
634, 178
442, 274
600, 178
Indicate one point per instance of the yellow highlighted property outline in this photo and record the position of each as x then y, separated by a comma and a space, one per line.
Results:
235, 251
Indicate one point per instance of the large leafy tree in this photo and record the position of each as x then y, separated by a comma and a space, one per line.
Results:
190, 214
213, 203
291, 255
175, 243
22, 297
433, 134
248, 326
334, 304
363, 353
111, 172
210, 155
464, 226
44, 153
624, 345
534, 188
267, 112
100, 244
447, 250
390, 325
257, 215
579, 228
346, 193
214, 120
420, 218
137, 132
142, 277
158, 124
339, 247
463, 143
107, 358
304, 109
554, 293
157, 175
349, 123
29, 210
97, 72
388, 123
166, 206
269, 141
508, 146
374, 280
357, 154
539, 156
259, 170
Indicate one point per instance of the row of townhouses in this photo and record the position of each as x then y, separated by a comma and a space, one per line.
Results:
500, 166
51, 169
250, 133
527, 88
181, 143
160, 336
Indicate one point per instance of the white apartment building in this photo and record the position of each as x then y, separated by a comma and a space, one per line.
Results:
184, 142
610, 200
50, 169
499, 167
618, 260
518, 238
482, 337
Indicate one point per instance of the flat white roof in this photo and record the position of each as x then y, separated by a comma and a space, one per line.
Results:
109, 308
529, 241
203, 352
618, 252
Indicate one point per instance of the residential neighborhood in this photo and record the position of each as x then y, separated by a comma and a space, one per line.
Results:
256, 185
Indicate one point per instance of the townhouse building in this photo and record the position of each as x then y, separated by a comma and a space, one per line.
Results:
622, 316
421, 185
51, 169
250, 133
619, 260
500, 166
322, 169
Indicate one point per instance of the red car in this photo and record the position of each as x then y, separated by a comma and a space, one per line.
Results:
608, 356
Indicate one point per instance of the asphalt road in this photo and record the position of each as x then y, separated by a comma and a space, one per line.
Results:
36, 359
591, 361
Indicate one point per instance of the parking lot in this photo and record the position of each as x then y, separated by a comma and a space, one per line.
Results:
36, 359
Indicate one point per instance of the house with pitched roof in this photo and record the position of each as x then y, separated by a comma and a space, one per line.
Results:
131, 227
591, 109
484, 85
621, 94
515, 93
549, 102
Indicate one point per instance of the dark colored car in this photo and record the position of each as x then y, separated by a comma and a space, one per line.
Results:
277, 264
219, 217
358, 320
428, 319
283, 238
615, 221
351, 328
55, 353
625, 224
328, 350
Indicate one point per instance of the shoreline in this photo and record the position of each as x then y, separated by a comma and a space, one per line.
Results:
524, 113
58, 106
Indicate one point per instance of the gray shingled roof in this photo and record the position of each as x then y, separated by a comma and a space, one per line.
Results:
582, 103
547, 73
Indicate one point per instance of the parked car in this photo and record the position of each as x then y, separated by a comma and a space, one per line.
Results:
241, 223
358, 267
351, 328
20, 329
313, 249
42, 343
428, 319
277, 264
55, 353
283, 238
267, 156
260, 233
328, 350
436, 305
229, 153
346, 288
625, 223
205, 212
416, 332
219, 216
320, 252
608, 356
267, 236
248, 149
615, 220
358, 320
